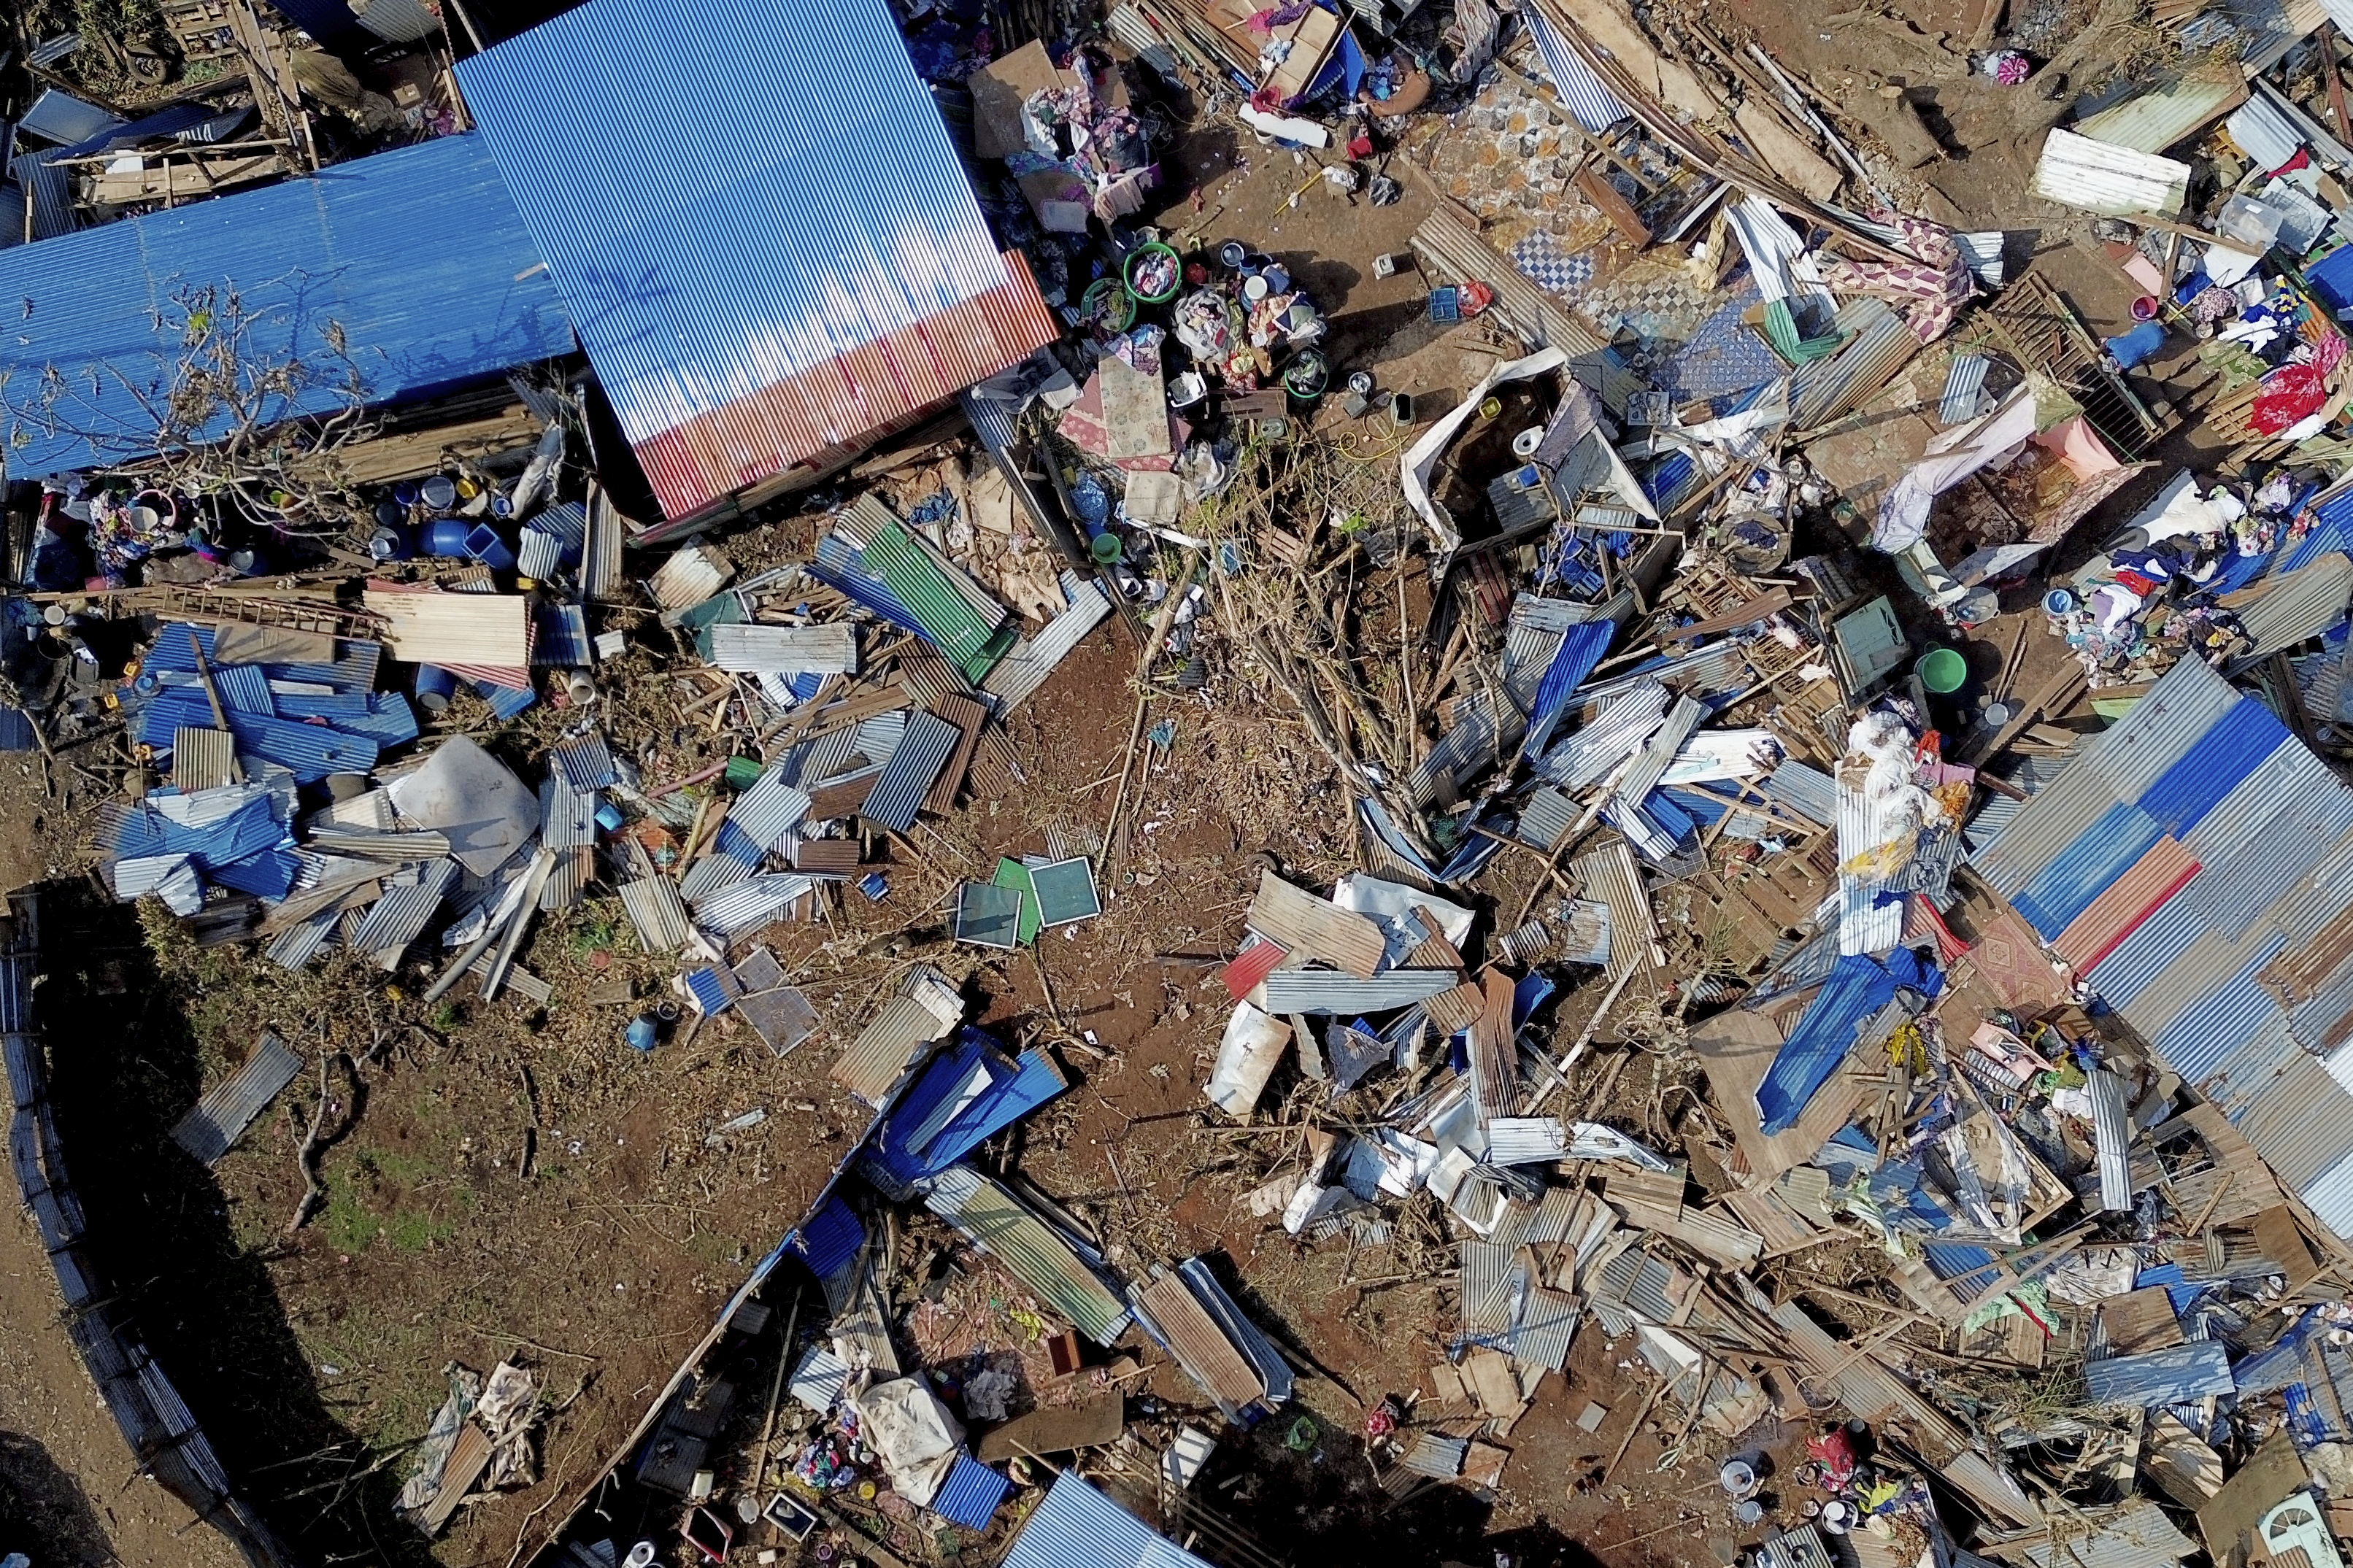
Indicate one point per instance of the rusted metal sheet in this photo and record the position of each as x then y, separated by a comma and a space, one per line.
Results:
2113, 916
1314, 927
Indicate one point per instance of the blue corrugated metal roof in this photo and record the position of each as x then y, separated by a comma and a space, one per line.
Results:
772, 189
419, 255
2069, 881
970, 1494
2160, 1377
1077, 1527
2227, 752
1858, 986
829, 1237
927, 1115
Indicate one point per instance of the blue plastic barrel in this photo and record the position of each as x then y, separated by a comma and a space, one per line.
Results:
435, 686
444, 536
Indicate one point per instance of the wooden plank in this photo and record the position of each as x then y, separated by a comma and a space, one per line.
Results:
969, 717
1595, 188
1090, 1424
486, 629
1756, 609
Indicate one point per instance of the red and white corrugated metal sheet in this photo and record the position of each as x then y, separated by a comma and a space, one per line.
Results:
2216, 941
772, 247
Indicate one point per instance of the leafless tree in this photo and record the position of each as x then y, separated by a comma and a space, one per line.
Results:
251, 404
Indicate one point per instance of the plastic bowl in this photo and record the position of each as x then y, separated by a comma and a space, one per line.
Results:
1145, 253
1941, 669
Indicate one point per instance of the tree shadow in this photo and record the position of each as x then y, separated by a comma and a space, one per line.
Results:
44, 1511
125, 1066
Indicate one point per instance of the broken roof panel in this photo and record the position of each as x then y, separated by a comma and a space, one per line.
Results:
2162, 1377
1075, 1526
1038, 1253
215, 1122
821, 292
339, 250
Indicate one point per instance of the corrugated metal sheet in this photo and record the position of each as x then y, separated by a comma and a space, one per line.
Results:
2295, 606
1580, 91
1437, 1457
1167, 1308
2248, 810
969, 1495
2160, 729
1526, 1140
1879, 343
345, 248
1547, 816
2071, 879
926, 1009
754, 649
1329, 991
2148, 952
215, 1122
2219, 1015
2156, 118
1004, 1226
2093, 176
1808, 791
398, 918
2235, 892
1964, 380
2053, 817
1660, 749
2134, 1534
1586, 758
2120, 908
793, 293
751, 903
298, 944
769, 809
1247, 1336
971, 639
2302, 1126
2266, 135
915, 763
585, 761
655, 911
2162, 1377
1076, 1526
2112, 1136
567, 816
1023, 670
1610, 873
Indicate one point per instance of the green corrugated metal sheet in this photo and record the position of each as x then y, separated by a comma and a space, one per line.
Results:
946, 615
1025, 1243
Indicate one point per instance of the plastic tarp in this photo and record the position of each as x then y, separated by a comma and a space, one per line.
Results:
1421, 457
1858, 985
912, 1434
1247, 1057
1953, 455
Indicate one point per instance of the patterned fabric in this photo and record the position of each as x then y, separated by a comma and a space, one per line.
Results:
1541, 259
1936, 287
1722, 357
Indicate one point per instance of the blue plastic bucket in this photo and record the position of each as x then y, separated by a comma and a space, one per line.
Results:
640, 1035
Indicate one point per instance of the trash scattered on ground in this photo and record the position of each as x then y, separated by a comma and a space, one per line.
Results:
1836, 977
